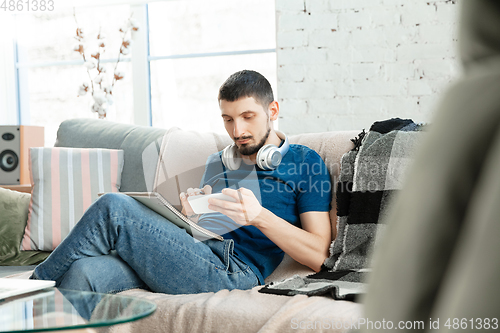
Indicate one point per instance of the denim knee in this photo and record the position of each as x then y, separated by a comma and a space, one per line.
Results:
117, 204
112, 199
80, 276
103, 274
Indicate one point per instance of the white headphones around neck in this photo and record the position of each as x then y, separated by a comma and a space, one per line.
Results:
268, 157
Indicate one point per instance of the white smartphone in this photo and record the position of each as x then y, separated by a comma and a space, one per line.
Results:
199, 203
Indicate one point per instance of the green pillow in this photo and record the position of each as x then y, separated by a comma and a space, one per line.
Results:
13, 216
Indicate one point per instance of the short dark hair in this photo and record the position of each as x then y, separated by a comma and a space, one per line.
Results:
247, 83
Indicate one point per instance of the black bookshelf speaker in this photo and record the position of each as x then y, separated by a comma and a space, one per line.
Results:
15, 142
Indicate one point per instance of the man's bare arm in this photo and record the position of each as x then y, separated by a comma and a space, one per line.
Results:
308, 245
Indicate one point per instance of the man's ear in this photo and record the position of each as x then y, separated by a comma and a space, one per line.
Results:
274, 110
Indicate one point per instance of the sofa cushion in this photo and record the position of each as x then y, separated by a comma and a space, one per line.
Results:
14, 207
66, 181
242, 311
132, 139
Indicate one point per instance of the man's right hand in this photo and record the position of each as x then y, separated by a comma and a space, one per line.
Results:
191, 192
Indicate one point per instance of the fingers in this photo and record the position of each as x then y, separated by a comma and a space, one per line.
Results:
236, 194
223, 205
244, 190
191, 192
235, 210
186, 207
220, 205
207, 189
245, 208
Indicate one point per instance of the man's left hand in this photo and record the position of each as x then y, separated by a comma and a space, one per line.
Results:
243, 211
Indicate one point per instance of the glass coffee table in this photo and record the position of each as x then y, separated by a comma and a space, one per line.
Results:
56, 309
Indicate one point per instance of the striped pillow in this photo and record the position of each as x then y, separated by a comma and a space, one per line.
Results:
65, 183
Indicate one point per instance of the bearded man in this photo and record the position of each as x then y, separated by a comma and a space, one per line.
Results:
282, 195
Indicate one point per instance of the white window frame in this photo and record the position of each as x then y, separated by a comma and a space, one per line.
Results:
9, 114
141, 83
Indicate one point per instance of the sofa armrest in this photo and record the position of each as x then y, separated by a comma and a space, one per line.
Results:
19, 188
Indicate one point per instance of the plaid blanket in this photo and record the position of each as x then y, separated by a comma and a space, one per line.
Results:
370, 175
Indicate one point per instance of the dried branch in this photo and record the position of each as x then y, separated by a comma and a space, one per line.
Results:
103, 96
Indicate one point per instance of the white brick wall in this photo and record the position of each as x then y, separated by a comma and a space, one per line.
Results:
343, 64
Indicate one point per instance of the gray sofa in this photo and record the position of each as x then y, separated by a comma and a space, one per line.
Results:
241, 310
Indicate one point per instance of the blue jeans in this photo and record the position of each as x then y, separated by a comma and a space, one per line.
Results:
120, 244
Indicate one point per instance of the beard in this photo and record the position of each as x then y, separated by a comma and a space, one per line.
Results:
247, 149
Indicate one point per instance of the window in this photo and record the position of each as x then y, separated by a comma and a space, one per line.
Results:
195, 46
50, 72
191, 48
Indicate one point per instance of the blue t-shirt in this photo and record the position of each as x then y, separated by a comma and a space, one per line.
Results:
300, 184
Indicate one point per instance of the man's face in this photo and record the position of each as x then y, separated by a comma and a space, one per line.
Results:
247, 123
